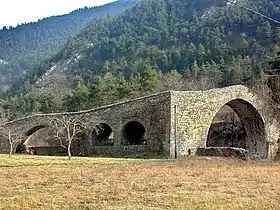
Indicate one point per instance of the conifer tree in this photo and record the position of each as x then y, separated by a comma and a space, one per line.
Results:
273, 81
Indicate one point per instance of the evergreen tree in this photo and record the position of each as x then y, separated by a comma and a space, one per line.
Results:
273, 81
150, 80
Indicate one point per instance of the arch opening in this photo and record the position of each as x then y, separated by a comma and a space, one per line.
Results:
102, 135
238, 125
31, 138
226, 130
133, 133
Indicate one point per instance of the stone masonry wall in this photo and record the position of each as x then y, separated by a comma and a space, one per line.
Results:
153, 112
193, 112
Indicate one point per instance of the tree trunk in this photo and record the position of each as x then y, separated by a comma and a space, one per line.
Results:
11, 150
69, 149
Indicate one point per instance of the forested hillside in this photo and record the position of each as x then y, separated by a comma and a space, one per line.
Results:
153, 46
25, 46
173, 34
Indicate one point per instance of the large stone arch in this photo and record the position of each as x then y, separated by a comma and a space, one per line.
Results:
253, 123
193, 113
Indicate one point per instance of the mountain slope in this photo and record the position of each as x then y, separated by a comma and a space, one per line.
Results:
153, 46
23, 47
170, 34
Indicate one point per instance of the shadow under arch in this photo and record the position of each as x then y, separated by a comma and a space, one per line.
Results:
252, 124
133, 133
102, 135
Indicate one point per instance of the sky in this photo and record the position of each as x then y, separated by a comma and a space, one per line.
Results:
14, 12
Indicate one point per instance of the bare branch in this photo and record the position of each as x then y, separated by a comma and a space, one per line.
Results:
73, 128
13, 139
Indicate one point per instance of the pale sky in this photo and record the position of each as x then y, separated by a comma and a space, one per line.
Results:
13, 12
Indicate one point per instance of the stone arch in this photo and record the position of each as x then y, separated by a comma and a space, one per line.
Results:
21, 146
253, 124
102, 135
133, 133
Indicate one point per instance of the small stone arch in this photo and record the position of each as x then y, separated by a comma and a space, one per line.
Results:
102, 135
21, 146
253, 124
133, 133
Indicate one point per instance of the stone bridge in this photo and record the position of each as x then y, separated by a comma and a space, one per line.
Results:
168, 124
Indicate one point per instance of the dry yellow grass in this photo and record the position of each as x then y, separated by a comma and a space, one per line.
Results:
30, 182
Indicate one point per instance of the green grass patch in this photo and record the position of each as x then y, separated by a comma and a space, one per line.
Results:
28, 160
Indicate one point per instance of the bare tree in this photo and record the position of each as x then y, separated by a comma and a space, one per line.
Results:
13, 139
69, 130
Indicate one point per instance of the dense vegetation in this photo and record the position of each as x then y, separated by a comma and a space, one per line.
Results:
273, 81
173, 35
25, 46
158, 45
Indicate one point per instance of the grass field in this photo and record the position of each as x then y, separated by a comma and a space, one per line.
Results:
33, 182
